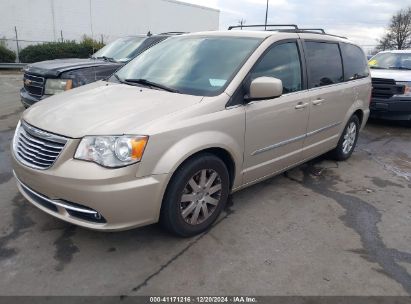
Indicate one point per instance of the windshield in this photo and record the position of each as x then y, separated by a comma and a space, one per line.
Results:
191, 64
396, 61
121, 49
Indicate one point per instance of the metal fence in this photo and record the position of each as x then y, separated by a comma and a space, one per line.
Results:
16, 43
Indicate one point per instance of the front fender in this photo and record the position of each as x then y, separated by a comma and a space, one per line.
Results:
194, 143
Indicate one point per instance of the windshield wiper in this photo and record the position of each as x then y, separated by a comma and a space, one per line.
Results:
106, 58
399, 68
152, 84
377, 68
118, 78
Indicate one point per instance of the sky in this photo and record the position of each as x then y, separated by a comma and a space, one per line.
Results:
362, 21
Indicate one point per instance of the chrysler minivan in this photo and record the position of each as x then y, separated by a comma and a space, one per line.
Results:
170, 135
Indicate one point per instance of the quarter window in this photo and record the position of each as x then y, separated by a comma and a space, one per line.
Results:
324, 64
282, 62
355, 63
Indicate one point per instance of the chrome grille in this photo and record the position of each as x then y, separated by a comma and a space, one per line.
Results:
36, 148
34, 85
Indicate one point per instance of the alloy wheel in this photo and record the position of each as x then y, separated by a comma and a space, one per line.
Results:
349, 138
200, 197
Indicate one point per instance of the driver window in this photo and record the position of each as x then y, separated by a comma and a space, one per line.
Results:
282, 62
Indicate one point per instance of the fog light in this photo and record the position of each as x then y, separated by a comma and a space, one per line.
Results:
97, 216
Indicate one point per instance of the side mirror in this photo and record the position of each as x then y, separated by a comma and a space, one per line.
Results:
265, 88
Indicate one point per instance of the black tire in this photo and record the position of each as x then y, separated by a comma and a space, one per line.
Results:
340, 153
171, 216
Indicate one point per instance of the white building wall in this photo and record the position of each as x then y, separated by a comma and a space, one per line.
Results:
44, 20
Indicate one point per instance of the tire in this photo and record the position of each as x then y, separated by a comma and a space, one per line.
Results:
347, 141
195, 196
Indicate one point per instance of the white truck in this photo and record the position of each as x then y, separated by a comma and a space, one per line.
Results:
391, 81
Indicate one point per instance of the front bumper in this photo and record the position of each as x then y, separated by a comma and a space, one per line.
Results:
91, 196
394, 108
28, 100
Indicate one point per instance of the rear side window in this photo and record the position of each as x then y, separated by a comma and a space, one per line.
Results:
324, 64
355, 63
282, 62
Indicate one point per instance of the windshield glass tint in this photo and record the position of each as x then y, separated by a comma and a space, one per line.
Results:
191, 65
120, 49
391, 61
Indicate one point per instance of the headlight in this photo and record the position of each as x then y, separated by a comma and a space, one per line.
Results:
55, 86
112, 151
407, 88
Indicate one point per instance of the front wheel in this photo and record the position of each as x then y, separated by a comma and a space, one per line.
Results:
348, 140
196, 195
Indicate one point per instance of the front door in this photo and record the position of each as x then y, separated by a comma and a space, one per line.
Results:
276, 128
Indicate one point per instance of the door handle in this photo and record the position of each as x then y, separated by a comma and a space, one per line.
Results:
301, 105
318, 102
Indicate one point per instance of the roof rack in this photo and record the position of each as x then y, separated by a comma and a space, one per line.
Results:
313, 30
263, 25
172, 33
292, 29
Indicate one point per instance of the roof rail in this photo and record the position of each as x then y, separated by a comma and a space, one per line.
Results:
313, 30
263, 25
172, 33
293, 29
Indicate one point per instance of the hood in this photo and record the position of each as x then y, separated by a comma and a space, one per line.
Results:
397, 75
53, 68
103, 108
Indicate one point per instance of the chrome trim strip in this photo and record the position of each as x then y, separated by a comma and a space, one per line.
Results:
27, 146
30, 138
31, 144
25, 160
323, 129
44, 135
54, 202
294, 139
280, 144
29, 162
38, 158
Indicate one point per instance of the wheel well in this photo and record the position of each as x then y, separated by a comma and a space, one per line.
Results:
360, 115
224, 155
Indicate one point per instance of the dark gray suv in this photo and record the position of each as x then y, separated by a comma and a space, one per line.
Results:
46, 78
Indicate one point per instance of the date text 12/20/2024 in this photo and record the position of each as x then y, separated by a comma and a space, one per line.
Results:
203, 299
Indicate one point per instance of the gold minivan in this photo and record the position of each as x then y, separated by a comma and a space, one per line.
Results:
170, 135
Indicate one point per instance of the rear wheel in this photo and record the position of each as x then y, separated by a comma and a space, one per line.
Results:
348, 139
196, 195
